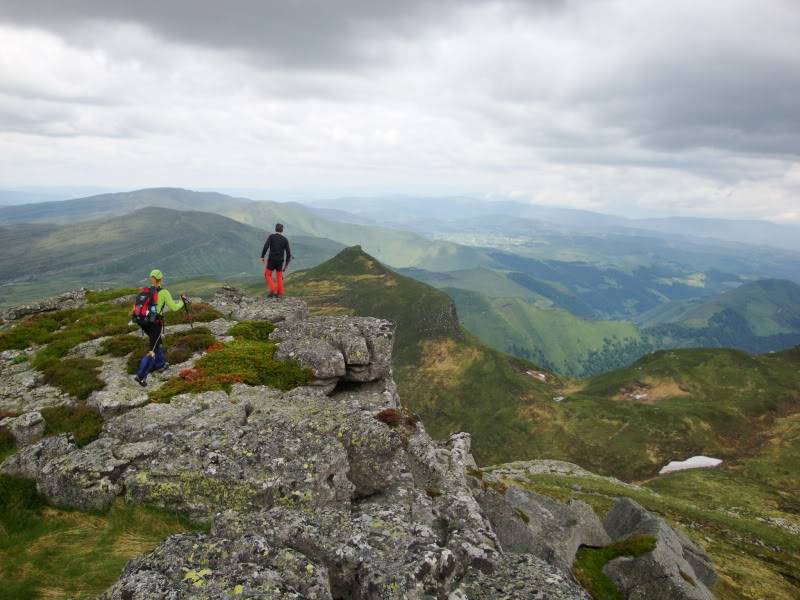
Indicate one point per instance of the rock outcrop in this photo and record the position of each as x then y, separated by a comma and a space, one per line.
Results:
677, 568
354, 349
331, 490
526, 522
235, 304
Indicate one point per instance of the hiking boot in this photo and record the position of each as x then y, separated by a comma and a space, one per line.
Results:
164, 368
140, 380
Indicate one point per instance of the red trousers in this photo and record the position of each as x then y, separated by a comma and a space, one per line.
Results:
275, 287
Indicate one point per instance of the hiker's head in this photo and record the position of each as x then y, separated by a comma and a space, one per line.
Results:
156, 277
279, 227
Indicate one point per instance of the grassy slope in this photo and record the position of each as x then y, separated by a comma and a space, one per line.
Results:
451, 379
716, 402
47, 553
554, 338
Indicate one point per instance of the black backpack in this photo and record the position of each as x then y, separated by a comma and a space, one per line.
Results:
145, 309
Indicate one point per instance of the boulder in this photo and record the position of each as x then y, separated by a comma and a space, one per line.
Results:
350, 349
235, 304
667, 572
26, 428
529, 523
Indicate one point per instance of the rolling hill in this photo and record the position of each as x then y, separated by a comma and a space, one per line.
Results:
762, 316
627, 423
553, 338
42, 258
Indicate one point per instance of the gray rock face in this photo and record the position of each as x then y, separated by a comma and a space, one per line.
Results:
355, 349
235, 304
526, 522
26, 428
666, 573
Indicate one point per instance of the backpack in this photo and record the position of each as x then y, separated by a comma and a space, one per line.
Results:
145, 309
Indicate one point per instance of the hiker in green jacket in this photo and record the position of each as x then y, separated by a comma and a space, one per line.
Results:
148, 313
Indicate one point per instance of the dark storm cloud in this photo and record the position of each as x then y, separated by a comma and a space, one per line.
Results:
288, 33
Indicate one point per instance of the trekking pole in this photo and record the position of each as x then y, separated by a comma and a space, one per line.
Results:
186, 307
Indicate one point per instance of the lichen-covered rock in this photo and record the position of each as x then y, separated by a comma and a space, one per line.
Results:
255, 448
665, 573
31, 460
120, 393
519, 577
22, 389
26, 428
213, 566
356, 349
235, 304
529, 523
89, 478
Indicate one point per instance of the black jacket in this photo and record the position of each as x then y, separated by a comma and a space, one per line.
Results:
277, 246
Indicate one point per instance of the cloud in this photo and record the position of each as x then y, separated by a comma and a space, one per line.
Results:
634, 107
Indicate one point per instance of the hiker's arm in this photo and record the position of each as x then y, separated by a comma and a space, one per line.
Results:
265, 249
166, 297
288, 256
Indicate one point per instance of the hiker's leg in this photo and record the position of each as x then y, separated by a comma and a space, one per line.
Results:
270, 282
160, 360
145, 366
281, 290
153, 331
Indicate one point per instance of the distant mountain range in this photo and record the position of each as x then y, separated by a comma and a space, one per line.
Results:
44, 258
558, 287
437, 214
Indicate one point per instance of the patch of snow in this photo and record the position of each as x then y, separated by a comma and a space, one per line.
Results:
695, 462
559, 398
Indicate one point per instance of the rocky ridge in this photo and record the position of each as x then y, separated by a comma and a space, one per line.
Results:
331, 490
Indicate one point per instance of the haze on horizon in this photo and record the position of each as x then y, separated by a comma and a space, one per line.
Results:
633, 108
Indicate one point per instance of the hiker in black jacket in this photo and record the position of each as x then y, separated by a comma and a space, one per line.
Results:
277, 246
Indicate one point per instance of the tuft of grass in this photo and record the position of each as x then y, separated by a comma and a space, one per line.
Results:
83, 422
7, 443
98, 296
589, 563
252, 330
122, 345
78, 377
47, 552
394, 417
390, 416
199, 312
241, 361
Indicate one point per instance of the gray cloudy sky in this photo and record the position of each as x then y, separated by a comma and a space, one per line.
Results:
645, 107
